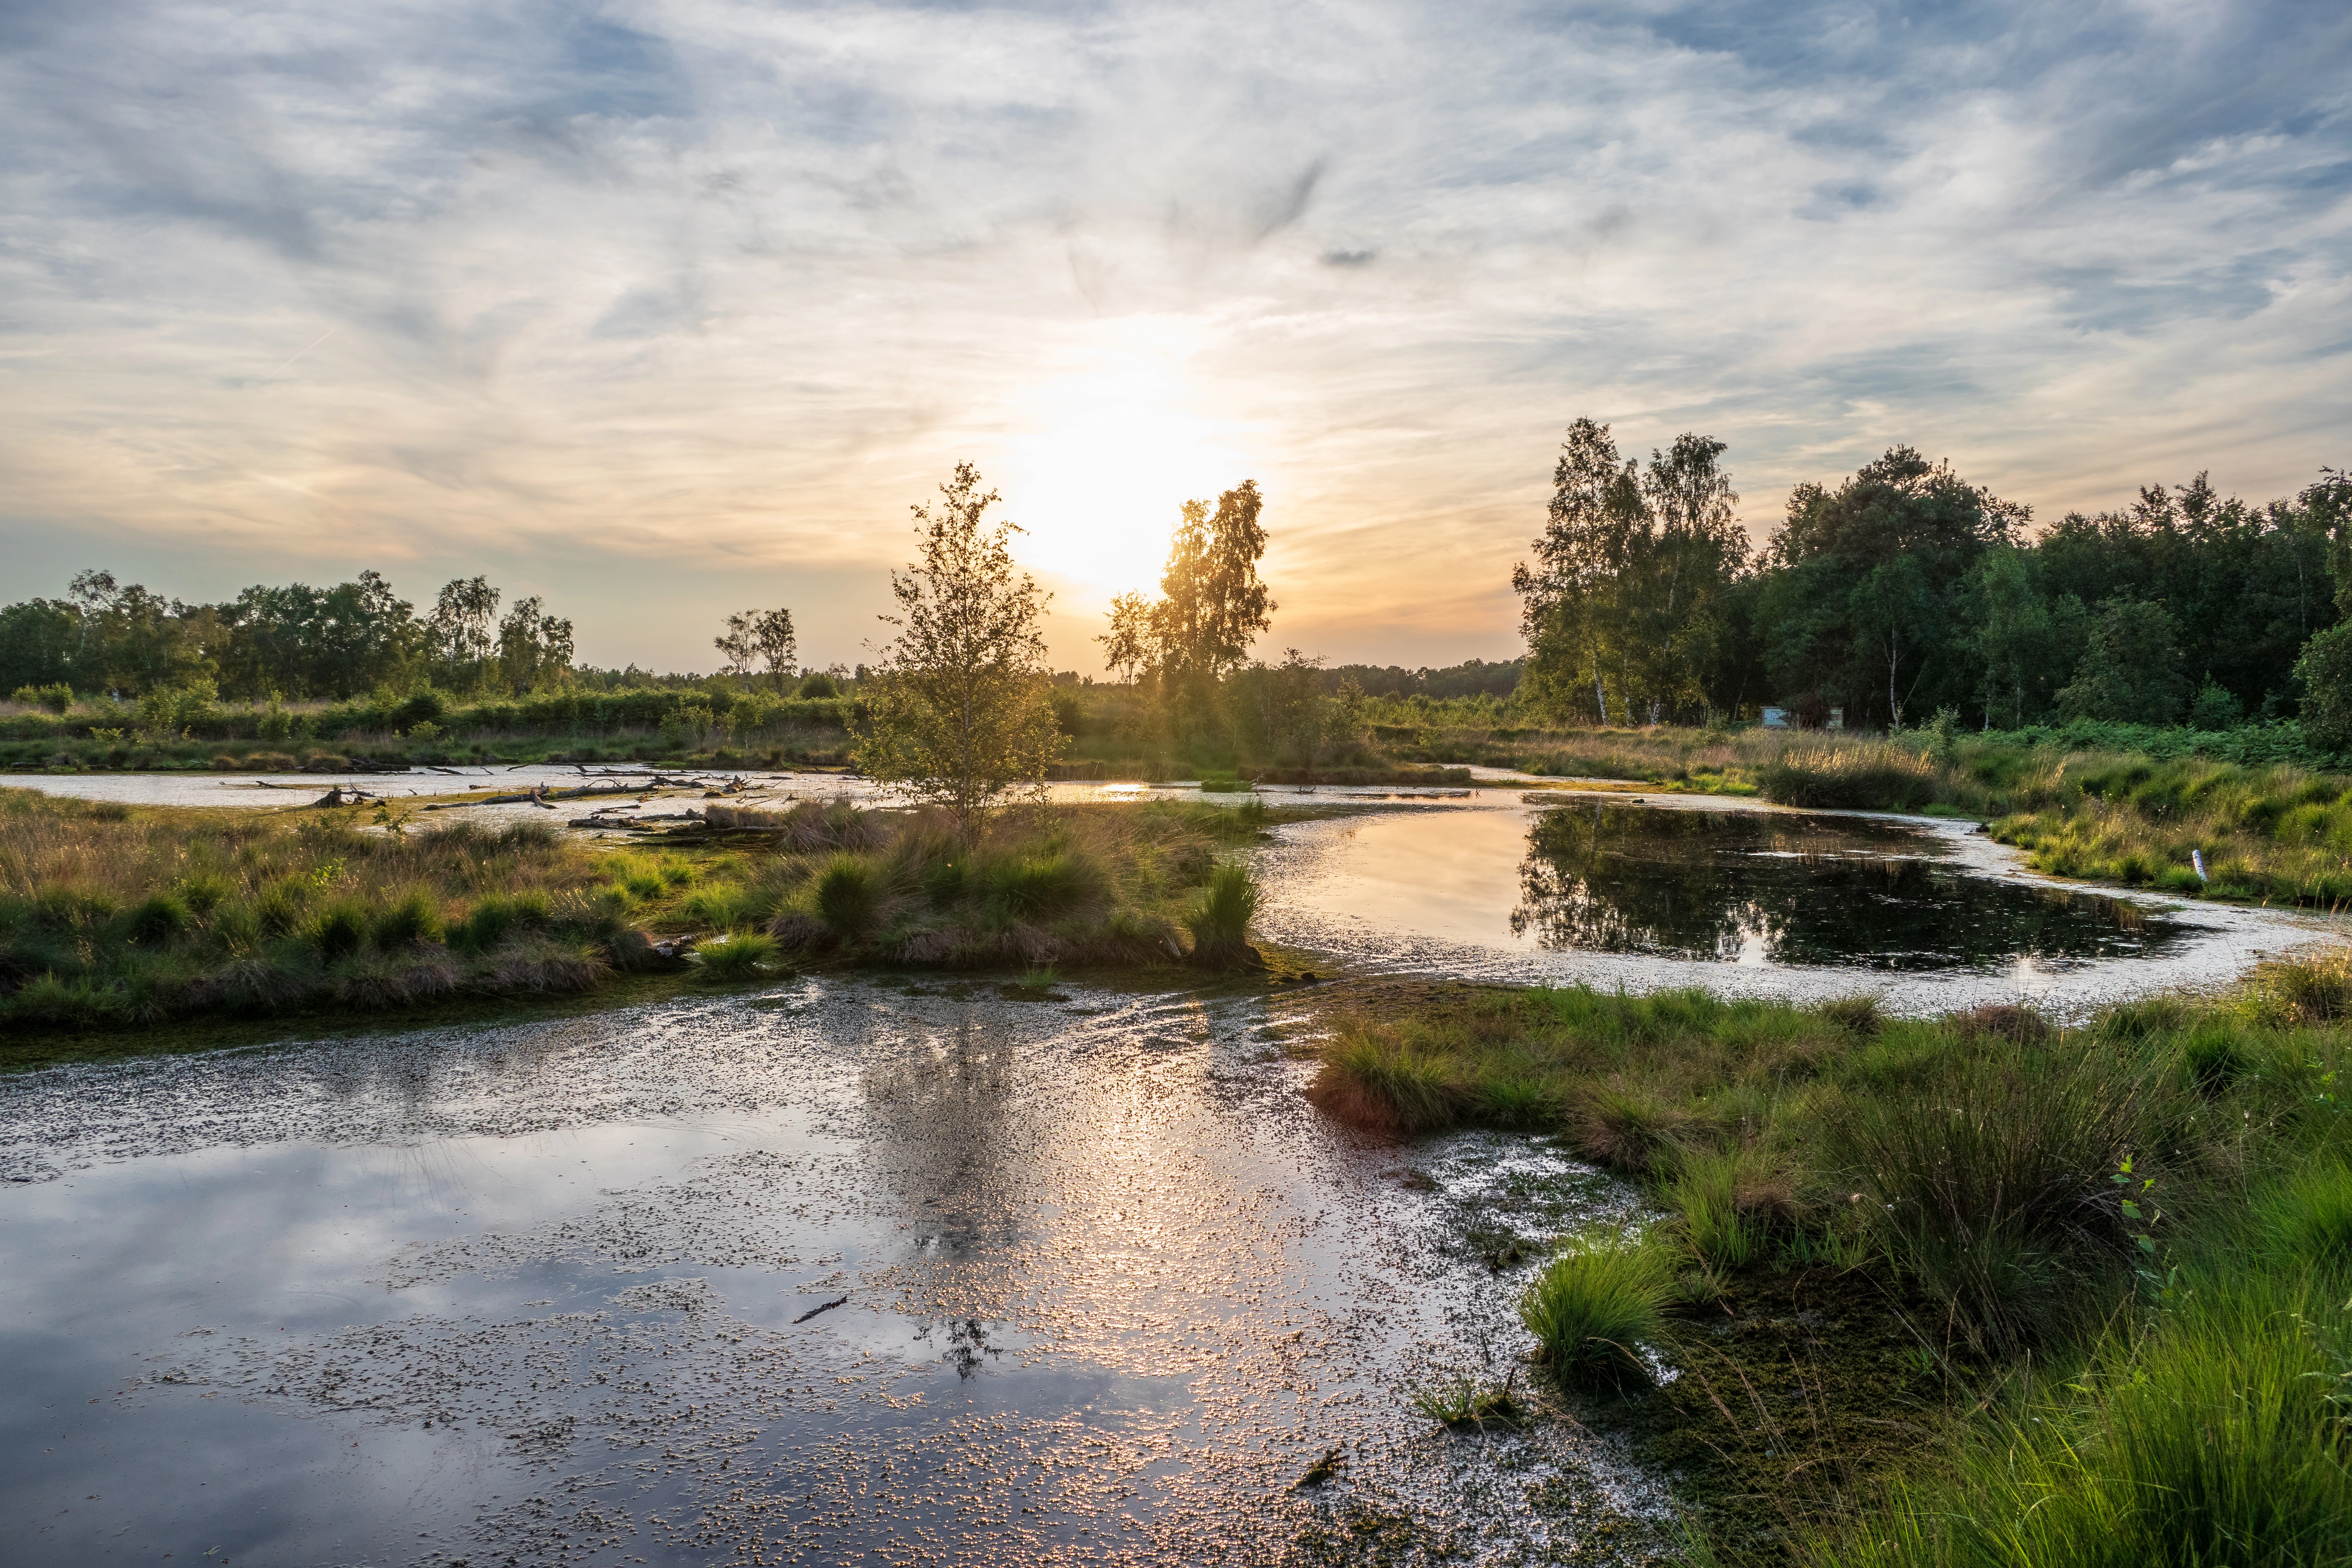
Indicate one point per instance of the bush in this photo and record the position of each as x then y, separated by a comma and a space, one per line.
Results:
1590, 1306
1219, 925
56, 698
2324, 671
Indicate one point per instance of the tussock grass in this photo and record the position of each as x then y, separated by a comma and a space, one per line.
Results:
2123, 1251
743, 956
1465, 1402
1036, 888
1591, 1306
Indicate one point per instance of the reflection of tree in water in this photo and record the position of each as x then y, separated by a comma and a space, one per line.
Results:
1791, 889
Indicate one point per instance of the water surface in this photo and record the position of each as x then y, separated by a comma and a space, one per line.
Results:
1106, 1288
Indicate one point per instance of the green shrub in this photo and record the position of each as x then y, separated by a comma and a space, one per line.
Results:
1220, 923
849, 893
1592, 1305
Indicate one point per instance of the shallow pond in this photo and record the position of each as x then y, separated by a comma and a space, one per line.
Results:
1741, 897
844, 1271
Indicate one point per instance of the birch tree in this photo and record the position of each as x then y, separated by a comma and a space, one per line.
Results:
958, 713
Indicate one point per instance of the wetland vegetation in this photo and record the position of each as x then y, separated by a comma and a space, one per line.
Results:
114, 916
1975, 1290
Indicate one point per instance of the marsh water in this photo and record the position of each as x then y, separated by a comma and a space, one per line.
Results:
917, 1270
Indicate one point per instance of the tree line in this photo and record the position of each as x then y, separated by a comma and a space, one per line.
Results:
1905, 590
293, 642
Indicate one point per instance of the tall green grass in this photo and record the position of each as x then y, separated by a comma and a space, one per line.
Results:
1592, 1306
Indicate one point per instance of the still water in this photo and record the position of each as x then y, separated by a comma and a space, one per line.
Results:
848, 1271
911, 1270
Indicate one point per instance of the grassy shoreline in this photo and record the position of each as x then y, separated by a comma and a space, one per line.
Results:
115, 918
1948, 1291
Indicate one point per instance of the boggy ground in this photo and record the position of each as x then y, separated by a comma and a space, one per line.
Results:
114, 917
1950, 1291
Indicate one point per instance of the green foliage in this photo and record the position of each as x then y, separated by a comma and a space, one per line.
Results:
159, 918
960, 713
496, 916
850, 891
741, 956
56, 696
1594, 1304
1989, 1183
339, 929
413, 916
727, 906
1042, 885
2325, 672
1219, 924
1876, 778
1465, 1402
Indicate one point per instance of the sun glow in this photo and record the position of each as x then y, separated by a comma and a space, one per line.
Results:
1099, 480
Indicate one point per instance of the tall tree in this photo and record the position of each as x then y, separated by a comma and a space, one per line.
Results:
1574, 599
462, 629
960, 712
534, 647
1212, 606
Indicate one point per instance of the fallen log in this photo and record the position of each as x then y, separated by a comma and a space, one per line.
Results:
533, 797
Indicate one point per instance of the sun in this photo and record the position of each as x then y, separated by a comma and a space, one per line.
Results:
1098, 480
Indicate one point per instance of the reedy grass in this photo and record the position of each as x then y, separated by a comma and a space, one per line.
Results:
1467, 1402
1034, 888
741, 956
1591, 1306
2124, 1249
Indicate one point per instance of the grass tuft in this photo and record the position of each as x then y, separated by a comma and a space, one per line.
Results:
1592, 1305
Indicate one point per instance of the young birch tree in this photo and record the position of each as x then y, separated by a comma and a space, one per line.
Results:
959, 713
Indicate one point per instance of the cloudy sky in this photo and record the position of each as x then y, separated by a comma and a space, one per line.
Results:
663, 310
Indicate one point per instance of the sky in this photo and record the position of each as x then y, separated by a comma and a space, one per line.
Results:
667, 309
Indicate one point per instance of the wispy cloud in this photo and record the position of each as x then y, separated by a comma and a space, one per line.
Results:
702, 294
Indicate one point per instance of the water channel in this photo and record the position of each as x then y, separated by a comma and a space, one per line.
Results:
905, 1270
